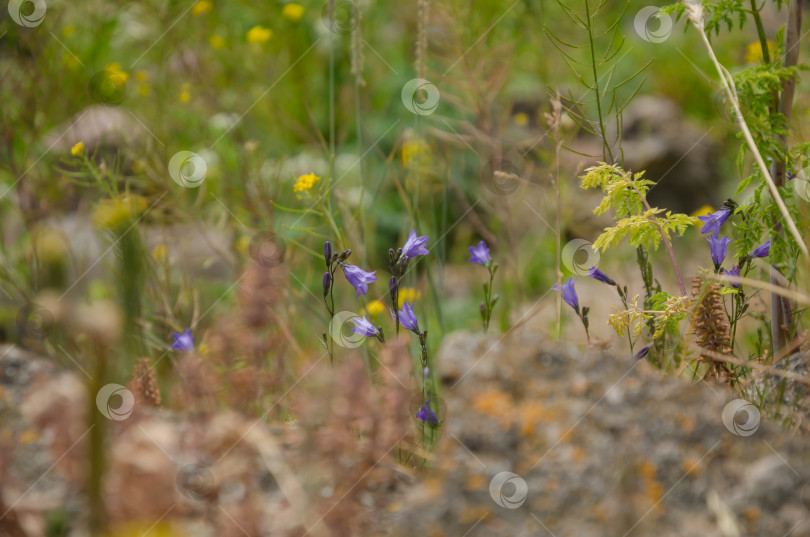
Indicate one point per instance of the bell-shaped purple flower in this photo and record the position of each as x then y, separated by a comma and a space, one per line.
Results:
644, 351
762, 250
480, 254
407, 318
415, 246
183, 342
426, 414
359, 278
597, 274
734, 272
713, 221
569, 293
718, 247
364, 327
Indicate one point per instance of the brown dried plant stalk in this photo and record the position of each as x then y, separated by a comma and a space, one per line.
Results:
711, 327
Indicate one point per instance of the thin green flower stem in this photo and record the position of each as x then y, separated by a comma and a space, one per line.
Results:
667, 243
624, 303
489, 297
763, 39
606, 152
731, 92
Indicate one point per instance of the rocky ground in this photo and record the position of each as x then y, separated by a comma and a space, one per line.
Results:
536, 439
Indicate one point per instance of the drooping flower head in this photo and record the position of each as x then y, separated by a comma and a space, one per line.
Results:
364, 327
426, 414
327, 283
713, 221
597, 274
183, 342
327, 252
718, 247
415, 246
734, 272
358, 277
644, 351
569, 293
407, 318
480, 254
762, 250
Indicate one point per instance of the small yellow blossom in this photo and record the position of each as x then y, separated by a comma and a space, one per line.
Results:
50, 244
77, 149
258, 35
409, 295
292, 12
68, 31
306, 182
201, 8
753, 54
159, 252
116, 75
185, 94
243, 244
216, 42
119, 212
521, 119
203, 349
144, 90
375, 307
415, 154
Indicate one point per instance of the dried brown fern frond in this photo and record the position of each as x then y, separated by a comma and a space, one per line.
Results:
144, 385
711, 327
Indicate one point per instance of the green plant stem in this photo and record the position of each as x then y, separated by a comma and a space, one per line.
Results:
728, 85
763, 39
667, 243
606, 152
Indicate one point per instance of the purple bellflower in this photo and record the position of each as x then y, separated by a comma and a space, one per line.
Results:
426, 414
569, 293
183, 342
407, 318
415, 246
642, 353
718, 247
597, 274
364, 327
713, 221
480, 254
734, 272
359, 278
762, 250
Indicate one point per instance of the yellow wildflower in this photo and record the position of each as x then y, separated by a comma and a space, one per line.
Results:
753, 54
521, 119
116, 75
375, 307
143, 83
292, 12
119, 212
306, 182
258, 35
68, 31
243, 244
201, 8
185, 94
159, 252
409, 295
216, 42
77, 149
415, 153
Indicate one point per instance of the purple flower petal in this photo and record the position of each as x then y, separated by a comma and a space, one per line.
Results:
597, 274
569, 293
713, 221
735, 272
183, 342
415, 246
363, 327
480, 254
719, 248
358, 278
762, 250
426, 414
407, 318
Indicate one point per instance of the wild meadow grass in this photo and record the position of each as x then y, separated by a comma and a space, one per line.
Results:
204, 202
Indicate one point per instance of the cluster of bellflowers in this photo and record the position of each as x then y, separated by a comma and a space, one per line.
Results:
480, 255
357, 278
399, 262
718, 249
